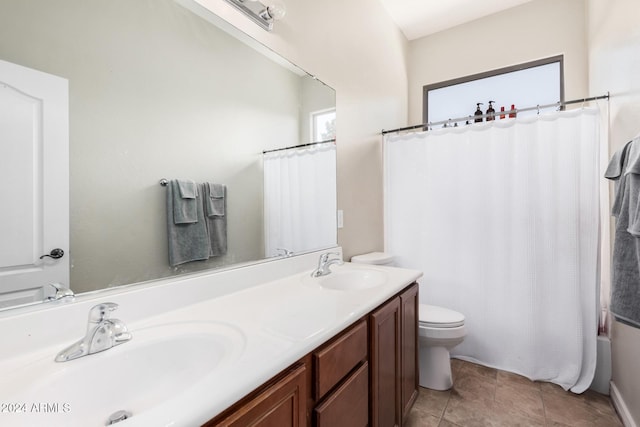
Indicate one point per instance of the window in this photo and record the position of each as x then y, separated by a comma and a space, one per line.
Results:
323, 125
525, 85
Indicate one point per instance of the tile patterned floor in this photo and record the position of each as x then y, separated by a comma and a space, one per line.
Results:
486, 397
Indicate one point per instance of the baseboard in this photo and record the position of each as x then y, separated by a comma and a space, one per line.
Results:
621, 407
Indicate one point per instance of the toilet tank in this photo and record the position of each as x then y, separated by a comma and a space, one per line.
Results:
375, 258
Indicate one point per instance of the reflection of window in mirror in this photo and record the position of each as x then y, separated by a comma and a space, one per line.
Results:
323, 125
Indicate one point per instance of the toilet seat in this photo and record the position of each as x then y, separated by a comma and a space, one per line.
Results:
432, 316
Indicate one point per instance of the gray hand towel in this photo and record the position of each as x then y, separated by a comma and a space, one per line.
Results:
216, 224
625, 280
616, 164
184, 193
214, 199
187, 241
188, 188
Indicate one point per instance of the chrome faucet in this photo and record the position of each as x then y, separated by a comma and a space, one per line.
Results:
324, 263
102, 334
283, 252
60, 293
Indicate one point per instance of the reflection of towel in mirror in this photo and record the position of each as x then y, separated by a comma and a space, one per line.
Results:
624, 168
215, 202
214, 199
187, 241
185, 210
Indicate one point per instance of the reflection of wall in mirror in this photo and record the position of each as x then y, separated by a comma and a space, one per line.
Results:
155, 92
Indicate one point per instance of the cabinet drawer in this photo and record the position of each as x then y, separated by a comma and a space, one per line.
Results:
333, 362
348, 405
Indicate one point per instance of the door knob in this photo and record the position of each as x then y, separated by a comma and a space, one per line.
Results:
55, 254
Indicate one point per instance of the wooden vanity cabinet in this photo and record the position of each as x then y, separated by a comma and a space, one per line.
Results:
394, 358
280, 403
385, 365
341, 380
365, 376
348, 405
409, 363
333, 361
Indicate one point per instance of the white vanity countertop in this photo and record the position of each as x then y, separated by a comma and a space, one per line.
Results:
277, 322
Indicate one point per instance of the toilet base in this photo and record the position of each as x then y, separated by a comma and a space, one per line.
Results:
435, 368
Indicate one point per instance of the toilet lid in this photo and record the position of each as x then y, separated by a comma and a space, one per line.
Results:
439, 317
379, 258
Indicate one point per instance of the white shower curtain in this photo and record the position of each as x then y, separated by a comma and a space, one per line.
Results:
502, 218
300, 199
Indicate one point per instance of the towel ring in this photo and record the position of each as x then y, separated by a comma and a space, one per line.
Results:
164, 182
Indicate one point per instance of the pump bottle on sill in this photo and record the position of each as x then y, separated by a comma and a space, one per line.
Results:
491, 113
478, 113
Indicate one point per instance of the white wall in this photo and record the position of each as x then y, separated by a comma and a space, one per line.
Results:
614, 66
535, 30
354, 47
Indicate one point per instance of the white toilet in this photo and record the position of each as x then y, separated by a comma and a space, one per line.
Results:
440, 329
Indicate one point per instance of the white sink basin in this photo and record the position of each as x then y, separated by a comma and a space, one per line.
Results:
159, 363
350, 279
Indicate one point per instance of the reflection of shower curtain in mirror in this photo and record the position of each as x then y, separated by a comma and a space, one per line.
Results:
300, 199
503, 221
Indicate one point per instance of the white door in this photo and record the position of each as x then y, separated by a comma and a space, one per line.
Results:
34, 183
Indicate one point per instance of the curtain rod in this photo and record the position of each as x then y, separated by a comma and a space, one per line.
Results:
298, 146
497, 113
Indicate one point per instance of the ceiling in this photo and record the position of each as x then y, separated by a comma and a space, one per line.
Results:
419, 18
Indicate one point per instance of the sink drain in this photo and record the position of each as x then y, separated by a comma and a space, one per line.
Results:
118, 416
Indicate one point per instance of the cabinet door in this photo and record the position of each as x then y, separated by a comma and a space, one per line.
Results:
283, 404
409, 348
385, 365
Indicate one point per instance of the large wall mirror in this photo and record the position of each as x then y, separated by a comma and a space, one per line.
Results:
155, 91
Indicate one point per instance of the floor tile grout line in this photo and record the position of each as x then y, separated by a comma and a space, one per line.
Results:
444, 409
544, 405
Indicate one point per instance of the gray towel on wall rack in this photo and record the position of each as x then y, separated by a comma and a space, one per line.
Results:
215, 202
624, 168
188, 241
185, 193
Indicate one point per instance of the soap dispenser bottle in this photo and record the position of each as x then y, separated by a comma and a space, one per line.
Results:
478, 113
491, 113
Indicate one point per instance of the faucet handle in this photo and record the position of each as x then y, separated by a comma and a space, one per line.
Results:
284, 252
325, 256
101, 312
60, 292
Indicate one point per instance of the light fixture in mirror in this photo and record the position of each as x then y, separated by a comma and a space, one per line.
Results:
154, 91
261, 14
